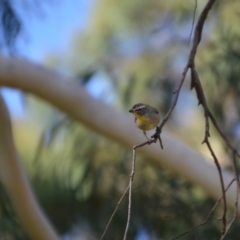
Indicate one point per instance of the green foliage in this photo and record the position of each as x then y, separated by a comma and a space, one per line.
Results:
80, 177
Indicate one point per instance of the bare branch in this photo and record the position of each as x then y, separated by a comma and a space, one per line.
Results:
237, 195
130, 189
222, 186
208, 217
190, 63
115, 210
193, 21
226, 140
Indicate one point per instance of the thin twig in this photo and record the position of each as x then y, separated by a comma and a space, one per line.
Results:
222, 134
237, 195
196, 41
157, 136
193, 21
115, 210
207, 113
199, 28
208, 217
222, 186
165, 119
130, 189
196, 83
201, 99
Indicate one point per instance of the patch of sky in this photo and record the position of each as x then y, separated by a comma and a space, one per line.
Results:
47, 26
100, 87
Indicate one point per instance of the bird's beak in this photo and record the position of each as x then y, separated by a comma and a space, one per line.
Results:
131, 111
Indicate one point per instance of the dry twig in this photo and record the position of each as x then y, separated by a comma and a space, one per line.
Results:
208, 217
115, 210
130, 191
193, 21
237, 195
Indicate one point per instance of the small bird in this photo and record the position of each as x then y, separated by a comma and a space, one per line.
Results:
146, 117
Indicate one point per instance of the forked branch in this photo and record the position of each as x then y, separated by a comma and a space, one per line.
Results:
196, 84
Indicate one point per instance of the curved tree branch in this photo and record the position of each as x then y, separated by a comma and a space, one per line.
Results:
68, 96
16, 183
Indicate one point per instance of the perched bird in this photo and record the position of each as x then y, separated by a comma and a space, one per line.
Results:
146, 117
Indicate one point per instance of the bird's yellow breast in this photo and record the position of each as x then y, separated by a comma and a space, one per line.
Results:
141, 117
145, 123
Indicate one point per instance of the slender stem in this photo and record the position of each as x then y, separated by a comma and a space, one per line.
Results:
130, 191
208, 217
222, 186
115, 210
